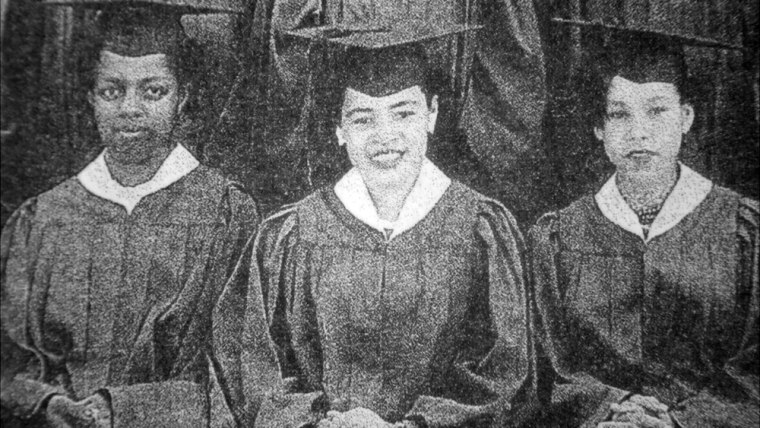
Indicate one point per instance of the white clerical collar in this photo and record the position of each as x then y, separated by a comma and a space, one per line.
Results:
97, 179
690, 190
430, 186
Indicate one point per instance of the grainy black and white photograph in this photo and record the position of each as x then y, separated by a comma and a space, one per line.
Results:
380, 213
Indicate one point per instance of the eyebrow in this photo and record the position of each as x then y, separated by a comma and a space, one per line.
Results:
657, 98
119, 79
358, 110
404, 104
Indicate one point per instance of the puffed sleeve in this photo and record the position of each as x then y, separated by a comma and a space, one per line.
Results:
575, 397
242, 353
487, 380
275, 262
26, 384
734, 400
178, 400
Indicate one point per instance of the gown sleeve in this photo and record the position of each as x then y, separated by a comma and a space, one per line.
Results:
576, 397
486, 383
273, 255
177, 401
26, 384
243, 355
734, 400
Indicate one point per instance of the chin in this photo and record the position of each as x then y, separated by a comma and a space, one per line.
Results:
132, 152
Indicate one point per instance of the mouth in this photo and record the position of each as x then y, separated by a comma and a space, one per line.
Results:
387, 157
640, 154
131, 132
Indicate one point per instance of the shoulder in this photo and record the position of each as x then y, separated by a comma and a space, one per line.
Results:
489, 215
748, 219
578, 211
578, 215
287, 222
211, 191
63, 200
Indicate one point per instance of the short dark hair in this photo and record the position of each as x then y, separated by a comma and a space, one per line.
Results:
636, 57
186, 63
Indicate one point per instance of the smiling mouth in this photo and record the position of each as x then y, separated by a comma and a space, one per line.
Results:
387, 157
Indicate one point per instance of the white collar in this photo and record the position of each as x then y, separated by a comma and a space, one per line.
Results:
97, 179
430, 186
690, 190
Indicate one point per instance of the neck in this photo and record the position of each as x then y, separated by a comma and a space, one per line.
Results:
647, 188
133, 174
389, 195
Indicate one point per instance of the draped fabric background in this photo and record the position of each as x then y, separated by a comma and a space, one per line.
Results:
515, 129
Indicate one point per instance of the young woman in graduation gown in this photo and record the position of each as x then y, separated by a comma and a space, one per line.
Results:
394, 297
646, 292
110, 279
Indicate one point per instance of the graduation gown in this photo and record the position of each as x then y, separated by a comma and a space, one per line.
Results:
427, 326
115, 293
672, 314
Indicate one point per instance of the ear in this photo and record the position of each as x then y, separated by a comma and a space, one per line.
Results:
184, 97
339, 134
432, 114
687, 117
599, 133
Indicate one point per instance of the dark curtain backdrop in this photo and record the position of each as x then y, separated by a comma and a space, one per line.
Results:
514, 128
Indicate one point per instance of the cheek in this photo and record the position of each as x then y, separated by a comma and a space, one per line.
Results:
105, 113
162, 113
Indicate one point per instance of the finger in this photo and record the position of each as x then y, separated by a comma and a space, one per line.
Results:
324, 423
616, 425
641, 420
626, 407
649, 403
630, 415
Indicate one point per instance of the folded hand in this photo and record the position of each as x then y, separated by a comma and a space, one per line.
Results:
92, 412
639, 412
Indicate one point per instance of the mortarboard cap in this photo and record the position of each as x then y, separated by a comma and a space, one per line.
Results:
144, 27
380, 61
183, 7
639, 54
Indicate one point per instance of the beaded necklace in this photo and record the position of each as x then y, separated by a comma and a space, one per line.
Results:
647, 212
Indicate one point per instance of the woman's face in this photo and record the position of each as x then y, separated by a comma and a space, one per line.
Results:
135, 100
644, 125
386, 137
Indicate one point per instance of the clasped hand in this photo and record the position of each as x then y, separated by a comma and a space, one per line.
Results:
639, 412
92, 412
355, 418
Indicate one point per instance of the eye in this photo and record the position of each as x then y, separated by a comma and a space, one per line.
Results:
617, 114
658, 110
110, 93
361, 120
405, 114
155, 92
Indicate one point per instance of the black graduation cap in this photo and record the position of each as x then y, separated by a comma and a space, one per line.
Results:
144, 27
640, 54
380, 61
179, 6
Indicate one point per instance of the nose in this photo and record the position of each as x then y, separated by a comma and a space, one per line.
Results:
131, 105
639, 128
385, 128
